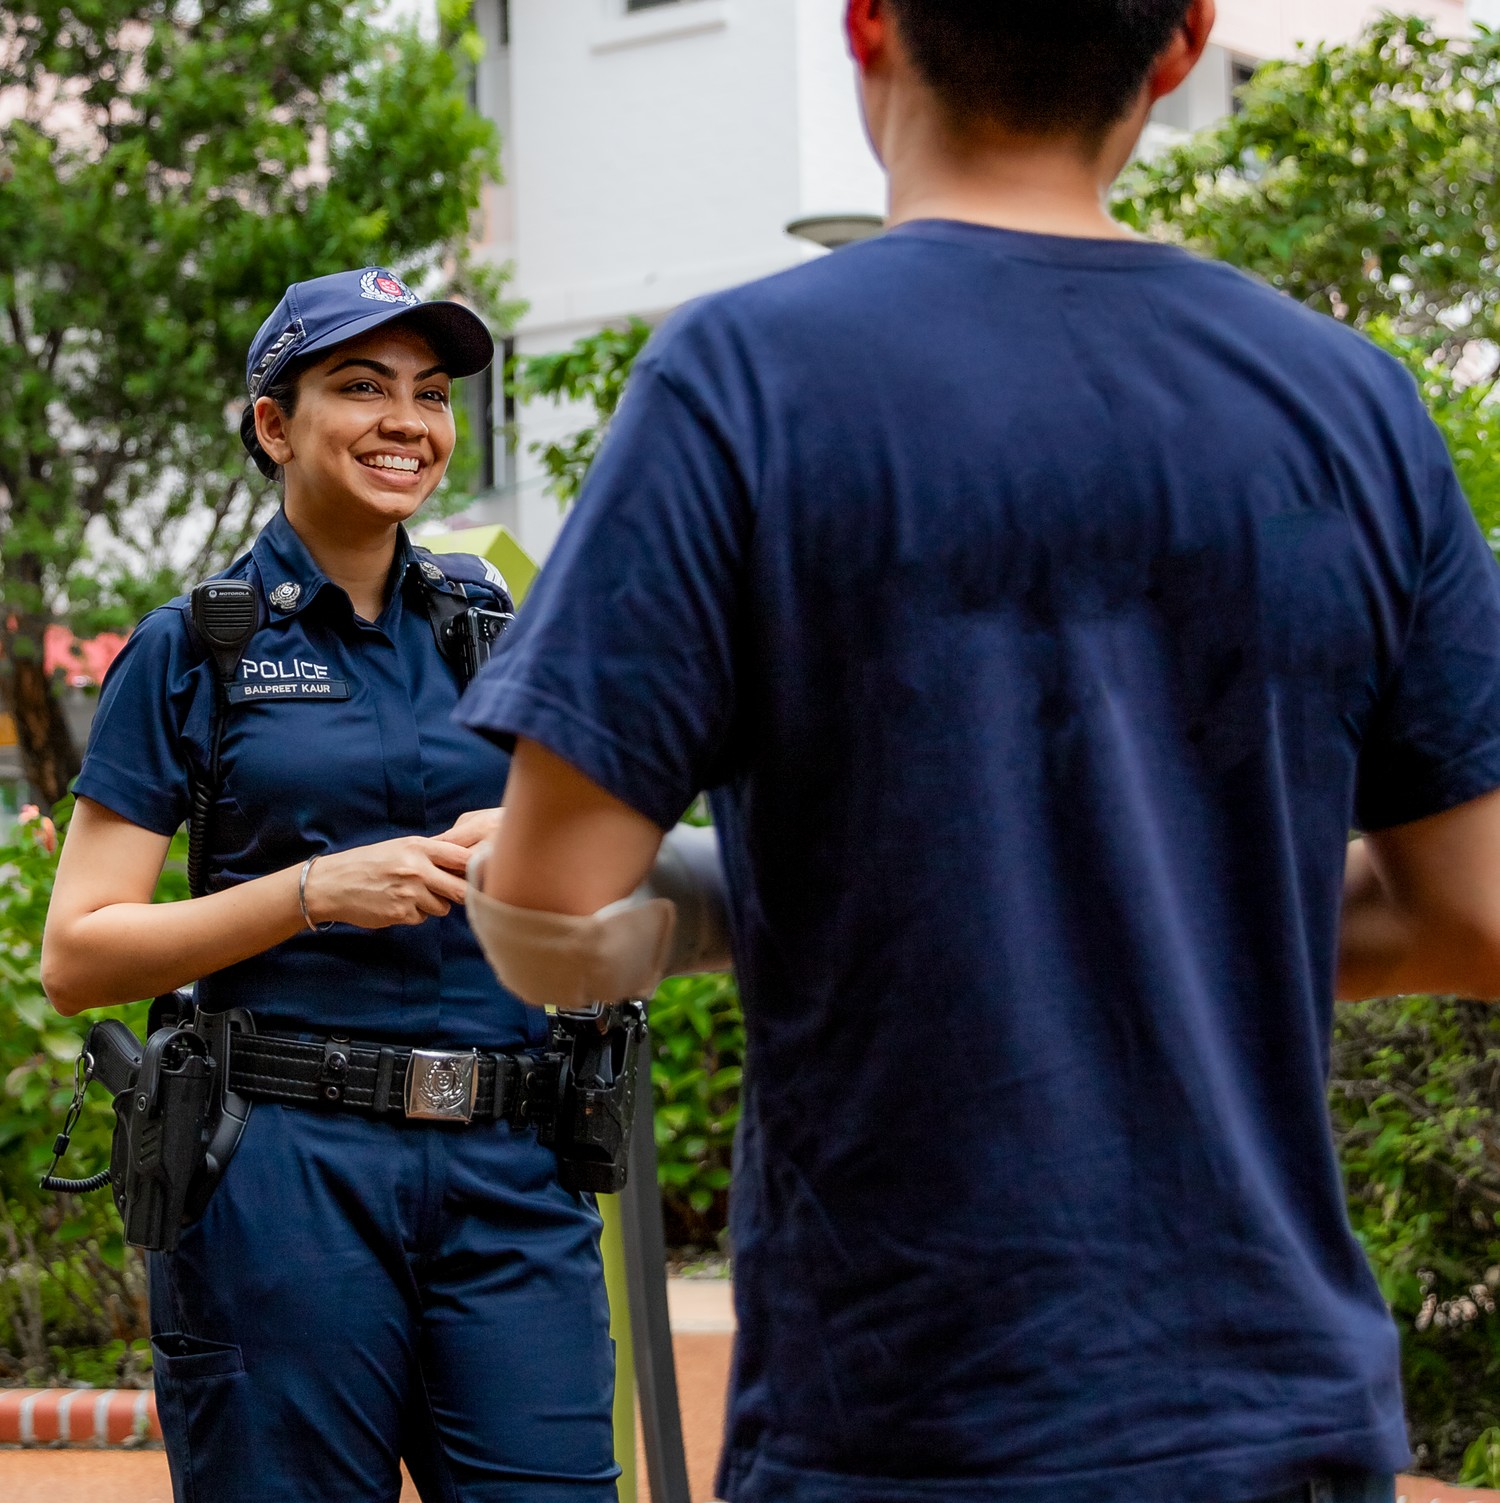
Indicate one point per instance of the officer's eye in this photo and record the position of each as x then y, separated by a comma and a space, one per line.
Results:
361, 386
436, 395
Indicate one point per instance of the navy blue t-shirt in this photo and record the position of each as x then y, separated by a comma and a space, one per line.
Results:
1042, 614
338, 734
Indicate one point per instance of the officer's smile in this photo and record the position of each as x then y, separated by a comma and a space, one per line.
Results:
401, 470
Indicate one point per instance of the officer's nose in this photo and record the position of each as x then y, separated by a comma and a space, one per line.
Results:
405, 419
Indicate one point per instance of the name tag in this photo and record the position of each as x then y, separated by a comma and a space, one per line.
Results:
297, 688
285, 678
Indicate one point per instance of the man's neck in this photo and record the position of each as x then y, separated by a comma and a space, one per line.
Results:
1040, 186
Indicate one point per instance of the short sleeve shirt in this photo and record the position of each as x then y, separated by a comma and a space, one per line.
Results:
1041, 614
337, 733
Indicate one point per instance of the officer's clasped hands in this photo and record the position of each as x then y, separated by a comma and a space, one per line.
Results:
402, 881
470, 829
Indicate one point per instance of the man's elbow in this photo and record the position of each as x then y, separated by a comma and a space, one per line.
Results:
1460, 957
1479, 961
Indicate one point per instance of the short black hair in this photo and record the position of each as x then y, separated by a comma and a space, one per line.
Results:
1037, 67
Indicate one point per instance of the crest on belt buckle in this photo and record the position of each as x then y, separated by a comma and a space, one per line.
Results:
441, 1087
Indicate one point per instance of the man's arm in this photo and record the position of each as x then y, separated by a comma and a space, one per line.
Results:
546, 902
565, 845
1422, 907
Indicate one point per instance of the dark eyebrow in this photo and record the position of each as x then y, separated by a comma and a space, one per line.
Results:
384, 370
374, 365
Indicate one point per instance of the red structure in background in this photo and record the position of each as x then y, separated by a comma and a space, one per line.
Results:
83, 663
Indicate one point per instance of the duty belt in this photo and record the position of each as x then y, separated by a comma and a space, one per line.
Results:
429, 1085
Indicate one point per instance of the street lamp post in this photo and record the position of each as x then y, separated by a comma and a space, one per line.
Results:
833, 230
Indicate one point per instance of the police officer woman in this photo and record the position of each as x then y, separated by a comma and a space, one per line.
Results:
365, 1284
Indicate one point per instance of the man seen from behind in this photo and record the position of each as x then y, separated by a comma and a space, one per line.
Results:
1041, 607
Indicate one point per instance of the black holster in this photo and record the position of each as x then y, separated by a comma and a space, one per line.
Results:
176, 1124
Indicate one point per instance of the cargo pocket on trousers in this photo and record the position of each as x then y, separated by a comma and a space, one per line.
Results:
184, 1358
201, 1403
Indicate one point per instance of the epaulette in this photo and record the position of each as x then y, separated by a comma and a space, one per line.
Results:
466, 569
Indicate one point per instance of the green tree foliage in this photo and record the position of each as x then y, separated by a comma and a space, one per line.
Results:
1363, 181
166, 169
592, 372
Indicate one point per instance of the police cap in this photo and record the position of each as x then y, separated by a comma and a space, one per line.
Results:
315, 316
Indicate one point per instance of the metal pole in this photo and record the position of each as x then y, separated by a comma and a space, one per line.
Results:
612, 1249
645, 1247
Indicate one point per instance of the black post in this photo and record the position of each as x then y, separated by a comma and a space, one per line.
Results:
645, 1246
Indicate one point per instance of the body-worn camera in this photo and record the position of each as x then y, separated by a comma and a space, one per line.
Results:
469, 638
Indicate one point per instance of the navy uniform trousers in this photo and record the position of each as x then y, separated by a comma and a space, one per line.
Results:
359, 1292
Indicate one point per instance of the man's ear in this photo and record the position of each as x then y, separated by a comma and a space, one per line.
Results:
1186, 47
270, 429
866, 27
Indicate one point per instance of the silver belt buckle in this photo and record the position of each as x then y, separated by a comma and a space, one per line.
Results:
441, 1087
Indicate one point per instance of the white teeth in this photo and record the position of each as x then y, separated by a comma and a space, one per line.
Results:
393, 462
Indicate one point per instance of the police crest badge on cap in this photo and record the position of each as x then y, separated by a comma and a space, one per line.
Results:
386, 287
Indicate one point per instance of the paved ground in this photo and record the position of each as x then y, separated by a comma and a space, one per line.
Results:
702, 1335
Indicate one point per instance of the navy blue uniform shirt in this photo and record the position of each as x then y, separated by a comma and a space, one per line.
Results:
1041, 613
338, 734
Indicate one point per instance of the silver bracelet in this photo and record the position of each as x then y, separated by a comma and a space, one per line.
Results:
302, 897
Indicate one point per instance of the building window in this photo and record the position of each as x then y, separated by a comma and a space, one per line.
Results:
481, 394
505, 23
631, 5
1241, 71
507, 476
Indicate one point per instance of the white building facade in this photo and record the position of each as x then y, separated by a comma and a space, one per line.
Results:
656, 150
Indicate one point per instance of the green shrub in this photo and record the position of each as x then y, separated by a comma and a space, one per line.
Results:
73, 1296
1415, 1091
698, 1055
1481, 1466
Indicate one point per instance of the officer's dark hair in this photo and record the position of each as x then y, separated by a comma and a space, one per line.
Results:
282, 390
1051, 68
